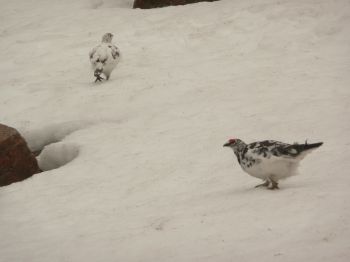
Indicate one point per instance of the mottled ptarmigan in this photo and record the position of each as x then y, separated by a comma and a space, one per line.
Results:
104, 57
270, 160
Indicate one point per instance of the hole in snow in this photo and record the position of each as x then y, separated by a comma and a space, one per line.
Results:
57, 155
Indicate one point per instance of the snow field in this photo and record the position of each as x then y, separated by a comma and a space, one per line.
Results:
150, 180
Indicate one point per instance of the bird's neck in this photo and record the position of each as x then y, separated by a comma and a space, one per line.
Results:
240, 147
239, 151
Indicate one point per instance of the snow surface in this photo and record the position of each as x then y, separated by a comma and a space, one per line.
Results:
148, 178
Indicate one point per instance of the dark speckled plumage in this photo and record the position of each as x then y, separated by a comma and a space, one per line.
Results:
270, 160
270, 148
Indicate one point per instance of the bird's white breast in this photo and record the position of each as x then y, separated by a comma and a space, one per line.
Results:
102, 57
274, 166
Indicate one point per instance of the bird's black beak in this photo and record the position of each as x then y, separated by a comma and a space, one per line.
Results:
98, 71
227, 144
97, 74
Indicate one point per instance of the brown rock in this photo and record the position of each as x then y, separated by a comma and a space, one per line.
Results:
16, 161
146, 4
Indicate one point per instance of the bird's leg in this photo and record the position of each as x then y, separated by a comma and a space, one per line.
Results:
99, 78
274, 184
97, 74
265, 184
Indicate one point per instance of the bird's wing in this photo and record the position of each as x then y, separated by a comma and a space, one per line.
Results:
114, 51
269, 148
94, 53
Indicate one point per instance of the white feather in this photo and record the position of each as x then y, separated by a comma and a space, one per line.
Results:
274, 167
105, 57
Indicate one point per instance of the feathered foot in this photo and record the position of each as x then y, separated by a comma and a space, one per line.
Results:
97, 74
98, 78
274, 185
265, 184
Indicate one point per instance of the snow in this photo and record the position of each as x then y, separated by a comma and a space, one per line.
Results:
146, 177
57, 155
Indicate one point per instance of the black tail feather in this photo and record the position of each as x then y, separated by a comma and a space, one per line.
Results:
307, 146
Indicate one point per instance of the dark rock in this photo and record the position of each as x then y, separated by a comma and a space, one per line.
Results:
146, 4
16, 161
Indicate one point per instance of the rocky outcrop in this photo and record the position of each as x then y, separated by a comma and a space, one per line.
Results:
146, 4
16, 161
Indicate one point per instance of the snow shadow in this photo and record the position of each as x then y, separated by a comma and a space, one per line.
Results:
39, 138
47, 144
56, 155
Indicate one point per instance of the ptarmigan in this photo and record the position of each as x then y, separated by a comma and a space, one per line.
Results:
270, 160
104, 57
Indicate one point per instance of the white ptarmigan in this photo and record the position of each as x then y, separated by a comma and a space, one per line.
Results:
270, 160
104, 57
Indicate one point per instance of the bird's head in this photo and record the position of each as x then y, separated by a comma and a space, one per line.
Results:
98, 71
235, 143
107, 38
99, 63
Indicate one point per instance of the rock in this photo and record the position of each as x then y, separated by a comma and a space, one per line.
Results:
16, 161
146, 4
